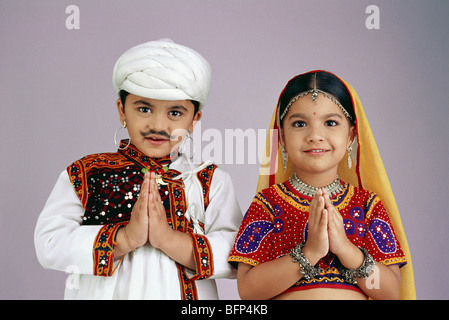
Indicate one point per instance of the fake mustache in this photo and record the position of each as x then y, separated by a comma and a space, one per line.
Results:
176, 134
159, 133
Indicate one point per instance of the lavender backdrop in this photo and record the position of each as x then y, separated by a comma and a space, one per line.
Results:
57, 101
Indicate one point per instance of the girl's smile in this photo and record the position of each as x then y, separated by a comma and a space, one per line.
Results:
316, 152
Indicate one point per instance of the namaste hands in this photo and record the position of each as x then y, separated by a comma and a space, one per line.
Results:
326, 231
148, 222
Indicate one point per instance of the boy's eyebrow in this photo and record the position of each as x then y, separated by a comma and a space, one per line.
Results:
148, 104
178, 108
143, 102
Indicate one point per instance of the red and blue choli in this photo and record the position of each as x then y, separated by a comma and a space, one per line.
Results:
277, 220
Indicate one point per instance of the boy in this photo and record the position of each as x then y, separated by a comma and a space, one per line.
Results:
144, 222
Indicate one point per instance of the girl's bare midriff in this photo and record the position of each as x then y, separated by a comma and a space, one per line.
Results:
322, 294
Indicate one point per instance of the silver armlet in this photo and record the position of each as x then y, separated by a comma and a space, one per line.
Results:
367, 267
309, 272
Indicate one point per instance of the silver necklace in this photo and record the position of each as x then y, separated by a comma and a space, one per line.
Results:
334, 188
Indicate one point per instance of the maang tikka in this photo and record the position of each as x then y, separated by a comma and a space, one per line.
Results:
314, 93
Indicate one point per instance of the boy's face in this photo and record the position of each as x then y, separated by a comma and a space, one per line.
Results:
156, 127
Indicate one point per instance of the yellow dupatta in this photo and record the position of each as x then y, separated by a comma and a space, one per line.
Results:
368, 173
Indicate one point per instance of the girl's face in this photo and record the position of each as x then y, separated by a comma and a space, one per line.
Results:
156, 127
316, 135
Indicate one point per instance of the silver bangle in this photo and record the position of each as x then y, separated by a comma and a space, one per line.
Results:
308, 271
367, 267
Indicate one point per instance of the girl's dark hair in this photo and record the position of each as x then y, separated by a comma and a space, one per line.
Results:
326, 82
123, 94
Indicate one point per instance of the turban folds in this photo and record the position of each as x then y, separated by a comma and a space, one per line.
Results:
163, 70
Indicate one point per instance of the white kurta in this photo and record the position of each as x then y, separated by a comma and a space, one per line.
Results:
63, 243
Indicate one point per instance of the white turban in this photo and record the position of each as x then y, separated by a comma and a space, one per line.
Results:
163, 70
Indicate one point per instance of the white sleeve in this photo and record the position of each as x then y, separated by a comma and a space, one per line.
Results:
61, 242
222, 221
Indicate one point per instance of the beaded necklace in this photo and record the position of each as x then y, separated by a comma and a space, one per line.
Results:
334, 188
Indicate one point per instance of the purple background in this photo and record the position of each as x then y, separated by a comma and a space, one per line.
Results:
58, 104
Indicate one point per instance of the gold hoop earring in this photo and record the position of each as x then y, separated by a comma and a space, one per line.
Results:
115, 137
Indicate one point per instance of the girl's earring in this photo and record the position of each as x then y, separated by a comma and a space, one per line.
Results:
284, 157
115, 137
349, 157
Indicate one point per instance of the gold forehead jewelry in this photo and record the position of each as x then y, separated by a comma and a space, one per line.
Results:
314, 93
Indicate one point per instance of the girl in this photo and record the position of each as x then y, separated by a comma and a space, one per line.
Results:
314, 232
